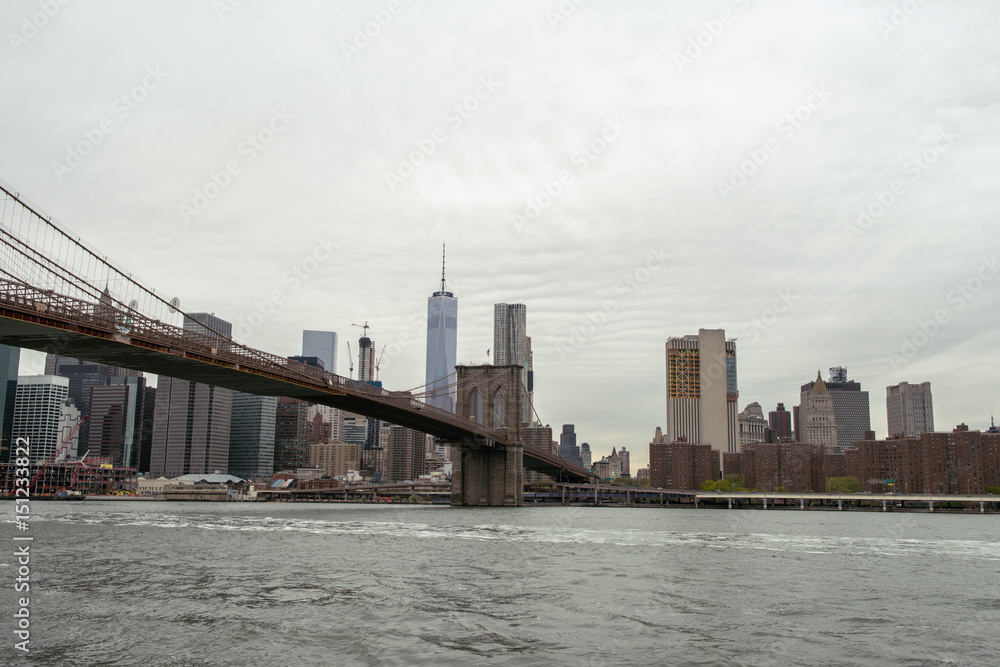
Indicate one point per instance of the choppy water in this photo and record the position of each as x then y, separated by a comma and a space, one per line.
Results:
138, 583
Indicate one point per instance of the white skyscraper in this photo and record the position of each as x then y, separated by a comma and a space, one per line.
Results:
39, 413
701, 390
322, 344
909, 409
442, 344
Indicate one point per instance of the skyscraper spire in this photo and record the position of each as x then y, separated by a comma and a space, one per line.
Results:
442, 267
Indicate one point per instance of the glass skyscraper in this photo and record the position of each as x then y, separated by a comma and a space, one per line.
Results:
322, 344
442, 344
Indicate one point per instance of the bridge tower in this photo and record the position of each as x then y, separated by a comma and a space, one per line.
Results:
486, 472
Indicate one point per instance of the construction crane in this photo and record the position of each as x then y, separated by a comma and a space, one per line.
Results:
363, 327
55, 455
350, 358
378, 362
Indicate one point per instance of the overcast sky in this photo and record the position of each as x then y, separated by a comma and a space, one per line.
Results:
652, 169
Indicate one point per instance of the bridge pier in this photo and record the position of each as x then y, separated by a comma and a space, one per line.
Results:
488, 477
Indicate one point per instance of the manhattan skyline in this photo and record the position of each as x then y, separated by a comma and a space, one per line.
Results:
815, 259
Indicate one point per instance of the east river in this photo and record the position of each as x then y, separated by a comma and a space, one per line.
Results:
198, 584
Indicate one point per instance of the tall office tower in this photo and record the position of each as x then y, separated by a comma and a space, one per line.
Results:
404, 455
850, 406
780, 421
819, 421
752, 424
702, 390
442, 346
120, 425
291, 434
366, 359
510, 344
567, 445
322, 344
909, 409
9, 360
191, 420
251, 435
624, 454
38, 411
586, 458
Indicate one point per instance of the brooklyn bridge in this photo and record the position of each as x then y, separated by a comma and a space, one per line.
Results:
60, 295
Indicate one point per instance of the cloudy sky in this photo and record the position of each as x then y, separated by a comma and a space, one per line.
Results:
819, 179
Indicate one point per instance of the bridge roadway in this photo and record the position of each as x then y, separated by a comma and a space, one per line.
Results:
48, 322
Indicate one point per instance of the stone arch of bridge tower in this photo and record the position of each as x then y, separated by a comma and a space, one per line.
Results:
498, 407
474, 405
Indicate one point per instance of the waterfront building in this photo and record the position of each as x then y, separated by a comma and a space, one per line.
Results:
682, 465
585, 455
251, 436
336, 458
442, 345
38, 414
291, 434
9, 361
751, 425
602, 470
510, 345
851, 408
794, 466
909, 409
702, 390
322, 344
780, 422
405, 454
